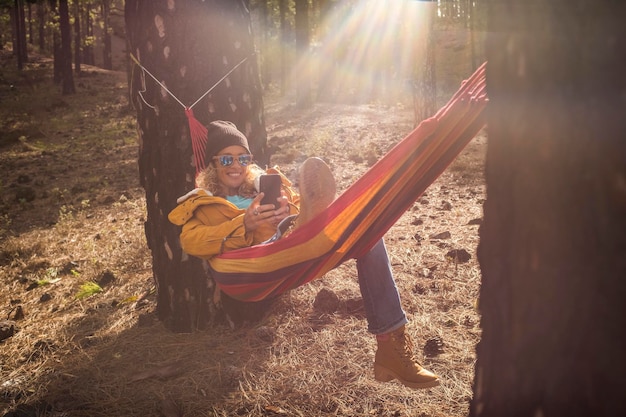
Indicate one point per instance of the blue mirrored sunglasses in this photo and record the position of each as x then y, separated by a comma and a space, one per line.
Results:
227, 160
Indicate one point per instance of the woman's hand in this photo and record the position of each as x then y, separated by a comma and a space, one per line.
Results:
258, 214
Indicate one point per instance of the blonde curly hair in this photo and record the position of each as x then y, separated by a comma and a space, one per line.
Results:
207, 179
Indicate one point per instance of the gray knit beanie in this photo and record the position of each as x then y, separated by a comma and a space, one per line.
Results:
222, 134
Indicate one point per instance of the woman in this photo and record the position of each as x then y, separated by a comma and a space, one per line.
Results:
225, 213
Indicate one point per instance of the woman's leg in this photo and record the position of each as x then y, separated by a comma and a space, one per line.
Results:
395, 358
378, 289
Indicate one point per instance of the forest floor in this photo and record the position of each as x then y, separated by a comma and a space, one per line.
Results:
72, 213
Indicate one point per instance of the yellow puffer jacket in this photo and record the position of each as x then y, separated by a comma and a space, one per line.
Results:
212, 225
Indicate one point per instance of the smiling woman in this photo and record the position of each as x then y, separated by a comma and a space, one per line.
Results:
231, 216
228, 183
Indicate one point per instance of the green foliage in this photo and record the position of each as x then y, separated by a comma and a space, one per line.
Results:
88, 289
52, 276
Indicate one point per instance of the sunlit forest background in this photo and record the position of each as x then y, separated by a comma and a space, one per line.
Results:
74, 263
357, 49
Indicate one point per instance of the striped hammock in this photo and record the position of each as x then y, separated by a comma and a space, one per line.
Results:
363, 213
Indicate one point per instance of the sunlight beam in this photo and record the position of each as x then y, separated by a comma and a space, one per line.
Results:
369, 50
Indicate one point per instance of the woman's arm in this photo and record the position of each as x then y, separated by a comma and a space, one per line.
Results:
200, 239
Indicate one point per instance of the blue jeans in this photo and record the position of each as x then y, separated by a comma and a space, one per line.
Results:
378, 289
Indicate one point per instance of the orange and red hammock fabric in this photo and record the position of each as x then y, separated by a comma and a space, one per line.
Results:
363, 213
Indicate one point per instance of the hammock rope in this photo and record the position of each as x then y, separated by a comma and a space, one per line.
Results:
197, 130
364, 212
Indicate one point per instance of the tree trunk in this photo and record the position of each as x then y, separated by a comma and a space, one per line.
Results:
471, 25
328, 61
107, 59
553, 239
303, 76
77, 38
15, 27
23, 51
30, 24
66, 49
264, 25
41, 29
88, 55
19, 38
188, 46
56, 44
284, 37
425, 95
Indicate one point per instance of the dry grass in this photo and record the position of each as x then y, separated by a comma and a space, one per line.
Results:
106, 355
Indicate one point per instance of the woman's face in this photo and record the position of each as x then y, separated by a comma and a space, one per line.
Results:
231, 177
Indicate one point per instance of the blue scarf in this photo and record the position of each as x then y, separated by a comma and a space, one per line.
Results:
241, 202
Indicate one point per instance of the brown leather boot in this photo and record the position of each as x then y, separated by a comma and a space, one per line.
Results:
395, 360
317, 189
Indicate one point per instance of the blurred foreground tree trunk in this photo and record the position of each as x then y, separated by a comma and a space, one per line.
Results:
554, 233
188, 46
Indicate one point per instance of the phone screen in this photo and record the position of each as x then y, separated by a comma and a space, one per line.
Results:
270, 186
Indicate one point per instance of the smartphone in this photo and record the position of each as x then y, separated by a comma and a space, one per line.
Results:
269, 184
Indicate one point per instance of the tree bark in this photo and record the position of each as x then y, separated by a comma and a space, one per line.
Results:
303, 76
264, 26
41, 28
77, 38
553, 239
30, 24
328, 61
15, 27
188, 46
284, 37
66, 49
88, 54
23, 51
56, 44
19, 38
107, 58
426, 94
